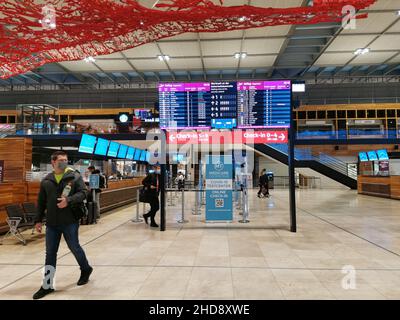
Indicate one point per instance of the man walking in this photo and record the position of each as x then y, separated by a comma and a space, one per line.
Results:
61, 194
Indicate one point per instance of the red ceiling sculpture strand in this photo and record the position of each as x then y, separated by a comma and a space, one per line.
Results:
32, 34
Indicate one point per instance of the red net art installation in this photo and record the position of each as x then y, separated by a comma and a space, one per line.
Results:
35, 32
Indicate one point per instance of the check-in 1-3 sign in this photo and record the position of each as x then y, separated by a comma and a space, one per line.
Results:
225, 137
219, 176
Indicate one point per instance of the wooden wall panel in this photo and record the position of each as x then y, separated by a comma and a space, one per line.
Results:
17, 156
32, 191
365, 106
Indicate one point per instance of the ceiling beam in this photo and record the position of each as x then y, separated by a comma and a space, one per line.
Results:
107, 75
241, 46
166, 62
141, 75
376, 38
201, 57
284, 45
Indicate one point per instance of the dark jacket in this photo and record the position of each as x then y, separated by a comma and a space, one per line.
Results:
263, 180
50, 191
151, 180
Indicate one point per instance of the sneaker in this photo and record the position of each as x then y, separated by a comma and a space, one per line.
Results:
85, 274
154, 225
42, 293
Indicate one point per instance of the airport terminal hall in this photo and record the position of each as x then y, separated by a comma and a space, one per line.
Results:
233, 150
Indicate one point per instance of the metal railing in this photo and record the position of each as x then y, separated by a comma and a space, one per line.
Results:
329, 161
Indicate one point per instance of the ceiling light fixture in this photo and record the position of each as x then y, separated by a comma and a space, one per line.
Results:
163, 57
89, 59
398, 13
361, 51
242, 19
239, 55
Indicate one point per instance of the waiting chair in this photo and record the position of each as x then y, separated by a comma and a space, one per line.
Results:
17, 222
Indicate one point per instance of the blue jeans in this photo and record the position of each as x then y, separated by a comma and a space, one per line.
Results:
70, 233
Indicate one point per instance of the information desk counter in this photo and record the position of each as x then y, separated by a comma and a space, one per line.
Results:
385, 187
119, 193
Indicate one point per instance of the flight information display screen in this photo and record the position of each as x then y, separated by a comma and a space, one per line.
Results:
225, 105
184, 105
264, 104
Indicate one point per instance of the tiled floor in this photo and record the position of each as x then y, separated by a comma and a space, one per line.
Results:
259, 260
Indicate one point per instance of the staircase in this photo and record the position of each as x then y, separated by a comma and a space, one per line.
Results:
304, 158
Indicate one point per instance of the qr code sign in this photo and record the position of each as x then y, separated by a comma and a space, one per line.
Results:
219, 203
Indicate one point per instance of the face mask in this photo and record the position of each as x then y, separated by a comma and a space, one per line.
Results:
158, 171
62, 165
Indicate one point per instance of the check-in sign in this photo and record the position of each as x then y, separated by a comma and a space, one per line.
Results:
225, 137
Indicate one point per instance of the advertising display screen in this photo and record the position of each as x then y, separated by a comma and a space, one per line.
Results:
131, 153
372, 156
87, 144
264, 104
363, 156
382, 155
123, 149
113, 149
225, 105
136, 157
101, 147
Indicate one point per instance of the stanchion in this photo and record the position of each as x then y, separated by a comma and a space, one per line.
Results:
239, 202
245, 206
195, 210
137, 219
183, 208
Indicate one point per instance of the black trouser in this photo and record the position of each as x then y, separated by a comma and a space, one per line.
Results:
154, 207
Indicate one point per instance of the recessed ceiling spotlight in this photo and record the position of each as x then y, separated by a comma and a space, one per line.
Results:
361, 51
242, 19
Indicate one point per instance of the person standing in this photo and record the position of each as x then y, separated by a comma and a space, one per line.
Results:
61, 193
151, 184
263, 183
180, 180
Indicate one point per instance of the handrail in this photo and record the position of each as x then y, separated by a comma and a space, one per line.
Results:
329, 161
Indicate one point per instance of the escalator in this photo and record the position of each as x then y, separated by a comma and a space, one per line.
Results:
326, 165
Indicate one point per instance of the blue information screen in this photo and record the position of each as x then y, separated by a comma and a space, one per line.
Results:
223, 105
136, 157
363, 156
382, 155
123, 149
131, 153
372, 156
143, 156
113, 149
87, 144
101, 147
